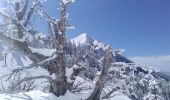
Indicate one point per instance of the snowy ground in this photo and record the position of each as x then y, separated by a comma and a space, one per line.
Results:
39, 95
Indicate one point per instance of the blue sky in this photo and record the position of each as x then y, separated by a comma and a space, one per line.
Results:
142, 27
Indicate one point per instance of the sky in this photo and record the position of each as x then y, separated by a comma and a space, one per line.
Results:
141, 27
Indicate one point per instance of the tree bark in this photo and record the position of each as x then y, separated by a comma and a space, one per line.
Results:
59, 85
100, 82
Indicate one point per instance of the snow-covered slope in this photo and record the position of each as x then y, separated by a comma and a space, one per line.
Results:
39, 95
84, 63
11, 59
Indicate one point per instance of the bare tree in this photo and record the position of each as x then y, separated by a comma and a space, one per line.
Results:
59, 84
54, 64
100, 82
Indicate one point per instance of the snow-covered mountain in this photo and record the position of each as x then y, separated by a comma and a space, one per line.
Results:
84, 62
84, 40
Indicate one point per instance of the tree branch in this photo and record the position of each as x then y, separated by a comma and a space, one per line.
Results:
29, 16
14, 21
23, 12
23, 46
110, 92
50, 79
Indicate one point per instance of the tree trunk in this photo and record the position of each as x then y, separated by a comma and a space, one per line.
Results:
100, 82
59, 85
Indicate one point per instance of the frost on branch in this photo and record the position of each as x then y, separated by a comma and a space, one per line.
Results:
52, 59
65, 2
95, 95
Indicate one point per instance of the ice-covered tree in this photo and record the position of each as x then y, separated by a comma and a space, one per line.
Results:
22, 32
108, 57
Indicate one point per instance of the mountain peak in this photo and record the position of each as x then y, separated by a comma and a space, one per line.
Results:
83, 35
82, 39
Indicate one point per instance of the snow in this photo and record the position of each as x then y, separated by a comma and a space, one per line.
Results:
71, 27
120, 51
40, 35
84, 39
69, 72
45, 52
65, 1
80, 40
98, 45
17, 59
68, 1
40, 95
85, 84
120, 97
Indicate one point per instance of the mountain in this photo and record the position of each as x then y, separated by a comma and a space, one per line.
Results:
83, 66
137, 82
84, 40
167, 73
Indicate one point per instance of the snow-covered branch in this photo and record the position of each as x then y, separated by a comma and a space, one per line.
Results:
50, 79
108, 57
23, 46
